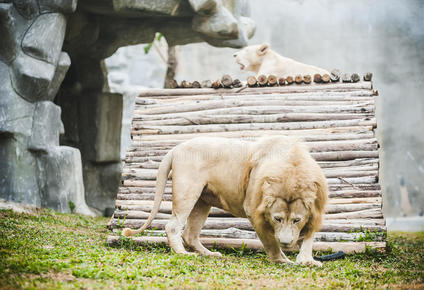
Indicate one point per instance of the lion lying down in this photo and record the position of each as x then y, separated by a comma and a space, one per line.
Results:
274, 182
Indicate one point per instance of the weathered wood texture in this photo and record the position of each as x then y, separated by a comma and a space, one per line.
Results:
336, 121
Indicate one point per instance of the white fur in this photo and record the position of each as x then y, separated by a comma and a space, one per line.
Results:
260, 59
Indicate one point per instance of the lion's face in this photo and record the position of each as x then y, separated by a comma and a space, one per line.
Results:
251, 56
287, 219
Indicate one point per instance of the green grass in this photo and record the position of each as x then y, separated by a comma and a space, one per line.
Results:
51, 250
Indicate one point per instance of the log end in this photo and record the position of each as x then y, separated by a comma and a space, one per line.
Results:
335, 75
226, 81
251, 81
289, 80
298, 79
317, 78
216, 84
368, 77
272, 80
307, 79
262, 80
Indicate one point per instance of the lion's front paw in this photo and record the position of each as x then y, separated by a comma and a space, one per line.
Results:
213, 254
307, 261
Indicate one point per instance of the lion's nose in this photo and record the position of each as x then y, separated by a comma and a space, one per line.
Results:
285, 245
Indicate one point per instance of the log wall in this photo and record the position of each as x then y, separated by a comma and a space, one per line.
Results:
336, 120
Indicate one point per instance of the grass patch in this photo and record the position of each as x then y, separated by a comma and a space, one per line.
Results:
52, 250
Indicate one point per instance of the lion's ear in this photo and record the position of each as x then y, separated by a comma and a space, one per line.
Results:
309, 202
268, 201
263, 49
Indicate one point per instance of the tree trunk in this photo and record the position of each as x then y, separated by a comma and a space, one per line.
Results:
172, 66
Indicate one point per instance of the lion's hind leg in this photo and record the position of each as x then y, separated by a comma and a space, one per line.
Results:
194, 225
184, 197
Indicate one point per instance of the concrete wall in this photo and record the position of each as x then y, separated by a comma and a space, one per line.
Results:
385, 37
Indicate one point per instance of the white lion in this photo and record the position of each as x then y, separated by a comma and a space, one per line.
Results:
274, 182
262, 60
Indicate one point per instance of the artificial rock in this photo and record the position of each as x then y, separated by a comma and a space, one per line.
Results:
40, 89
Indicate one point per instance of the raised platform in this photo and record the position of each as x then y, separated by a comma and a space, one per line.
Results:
336, 120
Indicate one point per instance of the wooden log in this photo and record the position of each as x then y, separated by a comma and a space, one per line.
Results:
196, 84
137, 130
346, 78
298, 79
252, 81
244, 224
186, 84
173, 84
206, 84
226, 81
307, 79
237, 83
227, 107
366, 213
354, 193
335, 75
262, 80
344, 155
317, 78
166, 206
318, 95
150, 174
317, 134
234, 233
141, 144
177, 93
325, 78
272, 80
201, 119
368, 77
282, 81
346, 247
355, 78
289, 80
318, 156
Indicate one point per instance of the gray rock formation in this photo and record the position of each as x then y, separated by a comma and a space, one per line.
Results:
60, 127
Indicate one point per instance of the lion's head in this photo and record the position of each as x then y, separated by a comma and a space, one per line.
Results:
251, 57
287, 191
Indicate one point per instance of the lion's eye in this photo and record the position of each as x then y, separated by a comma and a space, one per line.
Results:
278, 219
296, 220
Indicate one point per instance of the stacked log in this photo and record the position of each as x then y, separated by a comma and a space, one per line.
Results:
335, 120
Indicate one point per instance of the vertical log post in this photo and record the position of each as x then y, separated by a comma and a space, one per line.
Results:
355, 77
317, 78
346, 78
307, 79
272, 80
368, 77
325, 78
206, 84
335, 75
298, 79
289, 80
237, 83
173, 84
186, 84
226, 81
216, 84
262, 80
252, 81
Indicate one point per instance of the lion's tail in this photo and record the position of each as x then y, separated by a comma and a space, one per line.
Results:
162, 177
